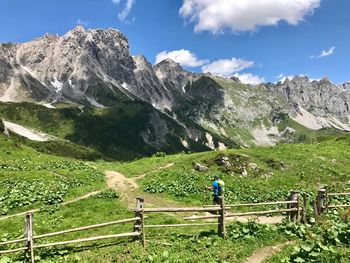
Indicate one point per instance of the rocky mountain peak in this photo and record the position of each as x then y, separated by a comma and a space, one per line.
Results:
94, 67
325, 81
346, 85
141, 61
235, 79
172, 75
168, 61
300, 79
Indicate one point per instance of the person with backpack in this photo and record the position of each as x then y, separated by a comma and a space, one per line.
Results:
218, 189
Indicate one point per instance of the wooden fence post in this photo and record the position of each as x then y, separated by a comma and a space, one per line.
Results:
221, 219
304, 211
29, 235
294, 196
320, 202
139, 224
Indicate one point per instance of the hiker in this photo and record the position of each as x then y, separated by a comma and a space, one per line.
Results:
218, 189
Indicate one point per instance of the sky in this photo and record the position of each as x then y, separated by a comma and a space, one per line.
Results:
256, 40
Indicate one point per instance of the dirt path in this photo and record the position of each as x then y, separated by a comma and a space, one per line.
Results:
261, 219
129, 189
119, 181
260, 255
114, 180
123, 183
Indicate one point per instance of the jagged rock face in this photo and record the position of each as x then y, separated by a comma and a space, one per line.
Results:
259, 114
172, 75
81, 66
230, 108
87, 67
318, 97
149, 88
95, 67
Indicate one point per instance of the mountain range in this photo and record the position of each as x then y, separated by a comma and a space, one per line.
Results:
94, 93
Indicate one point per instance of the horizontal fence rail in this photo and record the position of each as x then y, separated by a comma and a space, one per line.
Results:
13, 241
11, 251
180, 209
264, 212
294, 209
63, 232
179, 225
133, 234
257, 204
322, 203
337, 194
262, 204
337, 206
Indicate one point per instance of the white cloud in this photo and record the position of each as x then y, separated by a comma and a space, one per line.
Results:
82, 22
249, 78
244, 15
326, 53
127, 8
227, 67
182, 56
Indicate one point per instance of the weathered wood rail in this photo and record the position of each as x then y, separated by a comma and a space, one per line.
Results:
29, 237
295, 210
323, 202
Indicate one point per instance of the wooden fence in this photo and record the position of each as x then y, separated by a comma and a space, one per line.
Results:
29, 238
324, 202
295, 209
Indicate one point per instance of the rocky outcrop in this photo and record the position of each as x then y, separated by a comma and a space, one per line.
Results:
94, 67
91, 67
172, 75
317, 104
87, 67
149, 88
318, 97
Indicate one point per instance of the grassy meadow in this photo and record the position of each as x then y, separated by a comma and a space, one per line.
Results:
31, 179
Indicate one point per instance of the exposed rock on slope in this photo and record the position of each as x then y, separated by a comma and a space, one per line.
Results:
317, 104
92, 67
192, 111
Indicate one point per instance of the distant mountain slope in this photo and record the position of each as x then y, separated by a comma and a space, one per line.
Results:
123, 132
163, 106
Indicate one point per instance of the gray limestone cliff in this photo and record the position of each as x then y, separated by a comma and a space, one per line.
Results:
95, 67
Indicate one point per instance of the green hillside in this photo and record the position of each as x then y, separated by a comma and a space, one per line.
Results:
113, 133
31, 179
236, 112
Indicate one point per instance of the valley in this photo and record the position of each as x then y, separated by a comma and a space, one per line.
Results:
86, 128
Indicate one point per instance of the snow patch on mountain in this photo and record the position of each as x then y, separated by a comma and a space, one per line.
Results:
57, 84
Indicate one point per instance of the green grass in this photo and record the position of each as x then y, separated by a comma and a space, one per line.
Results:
28, 173
303, 166
30, 179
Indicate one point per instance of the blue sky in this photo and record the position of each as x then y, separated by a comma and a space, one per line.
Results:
256, 40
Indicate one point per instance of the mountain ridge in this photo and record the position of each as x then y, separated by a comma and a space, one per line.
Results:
95, 68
